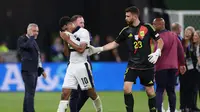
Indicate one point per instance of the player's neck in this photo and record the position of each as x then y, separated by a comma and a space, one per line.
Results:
136, 23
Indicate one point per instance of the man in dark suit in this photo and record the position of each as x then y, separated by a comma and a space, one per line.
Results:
31, 64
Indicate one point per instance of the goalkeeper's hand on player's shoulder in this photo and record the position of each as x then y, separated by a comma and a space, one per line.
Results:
41, 72
94, 50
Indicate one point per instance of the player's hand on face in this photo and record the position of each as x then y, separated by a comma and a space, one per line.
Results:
64, 36
182, 69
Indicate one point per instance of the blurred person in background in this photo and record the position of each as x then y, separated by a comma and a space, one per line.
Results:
57, 50
196, 42
188, 80
43, 57
141, 59
111, 55
31, 64
1, 59
96, 43
177, 29
3, 49
166, 69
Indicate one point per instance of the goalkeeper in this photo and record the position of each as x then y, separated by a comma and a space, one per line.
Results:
141, 60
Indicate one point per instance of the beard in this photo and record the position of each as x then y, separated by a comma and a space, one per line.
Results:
129, 23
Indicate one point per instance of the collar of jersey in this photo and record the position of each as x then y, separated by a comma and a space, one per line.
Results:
137, 25
77, 28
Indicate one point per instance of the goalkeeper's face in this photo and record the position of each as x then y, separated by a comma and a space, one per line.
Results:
130, 18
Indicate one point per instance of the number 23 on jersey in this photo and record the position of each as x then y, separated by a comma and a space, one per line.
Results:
137, 44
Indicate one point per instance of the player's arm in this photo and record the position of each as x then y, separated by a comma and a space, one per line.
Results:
79, 48
160, 44
153, 57
112, 45
156, 37
109, 46
121, 37
66, 49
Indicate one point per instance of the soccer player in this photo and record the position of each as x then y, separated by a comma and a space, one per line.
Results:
79, 70
141, 60
78, 97
165, 68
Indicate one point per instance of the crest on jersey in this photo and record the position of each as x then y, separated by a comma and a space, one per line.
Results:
142, 32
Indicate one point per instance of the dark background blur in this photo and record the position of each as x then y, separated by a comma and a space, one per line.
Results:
103, 17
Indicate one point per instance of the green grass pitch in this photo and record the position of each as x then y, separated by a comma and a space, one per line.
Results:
48, 102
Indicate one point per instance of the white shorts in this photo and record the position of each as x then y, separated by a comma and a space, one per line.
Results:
78, 73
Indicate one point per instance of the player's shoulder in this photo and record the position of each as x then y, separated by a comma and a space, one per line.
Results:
148, 25
124, 29
83, 30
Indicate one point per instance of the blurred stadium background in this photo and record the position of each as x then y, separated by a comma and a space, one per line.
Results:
103, 18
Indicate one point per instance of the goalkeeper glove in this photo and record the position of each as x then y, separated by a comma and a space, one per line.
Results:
94, 50
153, 57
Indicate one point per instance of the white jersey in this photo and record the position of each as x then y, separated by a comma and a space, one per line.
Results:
79, 70
80, 36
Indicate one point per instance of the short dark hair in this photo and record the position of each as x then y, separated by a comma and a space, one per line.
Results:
64, 21
75, 17
133, 9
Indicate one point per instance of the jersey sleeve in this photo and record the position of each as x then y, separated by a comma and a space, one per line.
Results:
153, 32
122, 36
85, 37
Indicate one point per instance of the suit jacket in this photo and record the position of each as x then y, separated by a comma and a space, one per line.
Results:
28, 50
